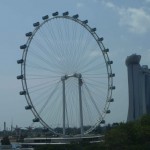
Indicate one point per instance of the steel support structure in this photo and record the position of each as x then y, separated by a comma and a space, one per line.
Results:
80, 82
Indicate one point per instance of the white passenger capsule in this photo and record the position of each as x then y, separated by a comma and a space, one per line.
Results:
36, 120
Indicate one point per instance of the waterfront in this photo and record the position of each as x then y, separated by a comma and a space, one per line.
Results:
14, 146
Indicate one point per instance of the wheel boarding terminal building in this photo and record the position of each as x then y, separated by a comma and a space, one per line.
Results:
139, 88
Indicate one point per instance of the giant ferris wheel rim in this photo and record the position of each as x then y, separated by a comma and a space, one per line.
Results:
102, 48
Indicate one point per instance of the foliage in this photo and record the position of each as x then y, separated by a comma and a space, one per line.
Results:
5, 141
131, 135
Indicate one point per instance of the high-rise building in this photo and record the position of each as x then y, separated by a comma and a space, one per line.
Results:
139, 88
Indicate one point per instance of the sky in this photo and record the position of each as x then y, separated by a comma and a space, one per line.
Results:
124, 24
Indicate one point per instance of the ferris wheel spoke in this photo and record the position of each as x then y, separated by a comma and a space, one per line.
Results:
74, 38
62, 50
85, 49
40, 46
91, 65
50, 115
48, 99
68, 38
37, 55
78, 48
98, 77
94, 69
50, 44
63, 45
90, 61
84, 53
96, 82
38, 99
40, 78
88, 114
41, 58
44, 75
94, 75
41, 96
69, 48
42, 86
50, 60
97, 88
55, 40
38, 68
94, 103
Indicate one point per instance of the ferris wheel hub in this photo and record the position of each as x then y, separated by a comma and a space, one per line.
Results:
76, 75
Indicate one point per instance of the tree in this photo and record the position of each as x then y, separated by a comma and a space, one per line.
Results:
130, 135
5, 141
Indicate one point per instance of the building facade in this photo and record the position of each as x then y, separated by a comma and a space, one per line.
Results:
139, 88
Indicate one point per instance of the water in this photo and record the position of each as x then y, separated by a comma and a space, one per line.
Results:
15, 146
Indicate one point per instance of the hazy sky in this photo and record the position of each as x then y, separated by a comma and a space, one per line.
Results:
124, 24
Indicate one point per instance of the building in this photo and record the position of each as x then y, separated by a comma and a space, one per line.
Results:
139, 88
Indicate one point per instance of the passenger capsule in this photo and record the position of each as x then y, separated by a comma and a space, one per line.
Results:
45, 17
75, 16
102, 122
100, 39
36, 120
23, 46
22, 93
107, 111
20, 61
111, 100
110, 62
28, 34
36, 24
20, 77
106, 50
111, 75
28, 107
55, 14
112, 87
85, 21
93, 29
66, 13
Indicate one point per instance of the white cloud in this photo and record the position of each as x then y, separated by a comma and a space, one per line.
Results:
137, 20
110, 5
148, 1
79, 5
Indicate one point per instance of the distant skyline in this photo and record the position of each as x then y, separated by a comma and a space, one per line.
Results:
125, 26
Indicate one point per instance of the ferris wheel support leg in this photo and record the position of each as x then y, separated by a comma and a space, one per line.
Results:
64, 100
80, 105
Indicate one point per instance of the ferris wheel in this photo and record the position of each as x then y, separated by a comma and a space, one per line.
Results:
66, 75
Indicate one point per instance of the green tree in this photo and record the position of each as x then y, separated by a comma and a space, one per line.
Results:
5, 141
131, 135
